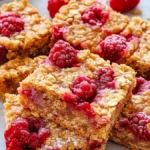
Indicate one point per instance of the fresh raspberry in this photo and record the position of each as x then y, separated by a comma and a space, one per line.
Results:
57, 32
33, 95
84, 88
95, 16
3, 53
21, 135
137, 123
63, 55
10, 23
54, 6
141, 86
123, 5
105, 78
113, 48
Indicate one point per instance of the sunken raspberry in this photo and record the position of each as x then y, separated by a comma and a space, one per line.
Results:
3, 53
105, 78
84, 88
10, 23
57, 32
123, 5
20, 135
141, 86
113, 48
70, 98
54, 6
137, 123
63, 55
95, 16
94, 144
43, 134
33, 95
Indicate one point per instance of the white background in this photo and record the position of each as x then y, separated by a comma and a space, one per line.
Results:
41, 5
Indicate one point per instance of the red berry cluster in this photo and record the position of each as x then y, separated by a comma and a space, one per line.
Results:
138, 124
113, 48
57, 32
10, 23
105, 78
141, 86
63, 55
95, 16
84, 90
26, 134
54, 6
123, 5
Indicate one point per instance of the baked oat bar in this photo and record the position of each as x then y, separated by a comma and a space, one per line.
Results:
133, 126
23, 31
26, 131
78, 90
14, 71
85, 23
140, 60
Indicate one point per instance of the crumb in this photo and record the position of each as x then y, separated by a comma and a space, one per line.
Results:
136, 12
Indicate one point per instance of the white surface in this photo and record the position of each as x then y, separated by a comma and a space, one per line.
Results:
41, 5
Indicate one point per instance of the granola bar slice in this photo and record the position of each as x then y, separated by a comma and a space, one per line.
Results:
14, 71
84, 23
23, 31
78, 90
133, 126
140, 59
30, 132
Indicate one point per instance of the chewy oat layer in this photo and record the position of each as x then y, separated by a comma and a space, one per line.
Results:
140, 60
31, 132
78, 90
14, 71
133, 126
85, 23
23, 31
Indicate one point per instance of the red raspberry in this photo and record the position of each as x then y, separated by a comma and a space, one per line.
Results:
57, 32
63, 55
137, 123
10, 23
141, 86
84, 88
54, 6
123, 5
105, 78
3, 53
94, 145
33, 95
113, 48
21, 135
95, 16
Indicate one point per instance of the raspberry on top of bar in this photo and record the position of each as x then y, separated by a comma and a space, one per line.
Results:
14, 71
23, 31
133, 126
24, 131
78, 90
85, 23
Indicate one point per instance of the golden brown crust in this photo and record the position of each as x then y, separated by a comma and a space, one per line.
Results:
15, 71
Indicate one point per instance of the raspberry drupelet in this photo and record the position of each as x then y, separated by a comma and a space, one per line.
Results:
24, 131
133, 126
23, 31
88, 22
93, 91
